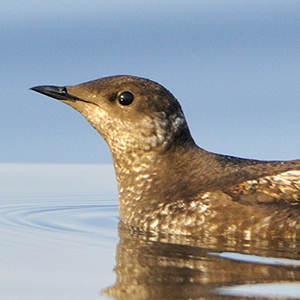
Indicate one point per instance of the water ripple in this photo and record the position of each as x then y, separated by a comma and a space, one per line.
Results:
91, 220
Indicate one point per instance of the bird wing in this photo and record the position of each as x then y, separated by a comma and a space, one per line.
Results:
282, 188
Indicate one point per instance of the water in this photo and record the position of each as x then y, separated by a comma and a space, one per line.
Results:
58, 231
60, 240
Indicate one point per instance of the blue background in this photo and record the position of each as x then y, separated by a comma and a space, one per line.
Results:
233, 65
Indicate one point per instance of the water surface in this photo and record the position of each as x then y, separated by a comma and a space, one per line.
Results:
60, 239
58, 231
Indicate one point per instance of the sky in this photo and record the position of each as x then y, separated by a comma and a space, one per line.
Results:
233, 65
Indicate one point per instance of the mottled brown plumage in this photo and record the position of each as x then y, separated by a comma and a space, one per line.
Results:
166, 182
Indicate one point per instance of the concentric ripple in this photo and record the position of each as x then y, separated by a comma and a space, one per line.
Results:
60, 216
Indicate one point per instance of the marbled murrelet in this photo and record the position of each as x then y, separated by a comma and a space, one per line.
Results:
166, 182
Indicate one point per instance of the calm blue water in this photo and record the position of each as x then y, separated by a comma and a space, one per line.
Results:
58, 231
59, 240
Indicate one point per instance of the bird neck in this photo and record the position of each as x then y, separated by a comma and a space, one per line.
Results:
147, 179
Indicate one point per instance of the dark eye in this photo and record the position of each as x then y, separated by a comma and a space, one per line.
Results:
126, 98
64, 91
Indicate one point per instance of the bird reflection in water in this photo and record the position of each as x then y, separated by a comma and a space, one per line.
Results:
178, 267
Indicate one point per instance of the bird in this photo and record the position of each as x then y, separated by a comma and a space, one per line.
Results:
169, 185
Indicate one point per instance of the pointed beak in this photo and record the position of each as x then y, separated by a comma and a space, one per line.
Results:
56, 92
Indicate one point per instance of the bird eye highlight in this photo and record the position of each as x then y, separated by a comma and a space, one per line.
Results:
64, 91
126, 98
